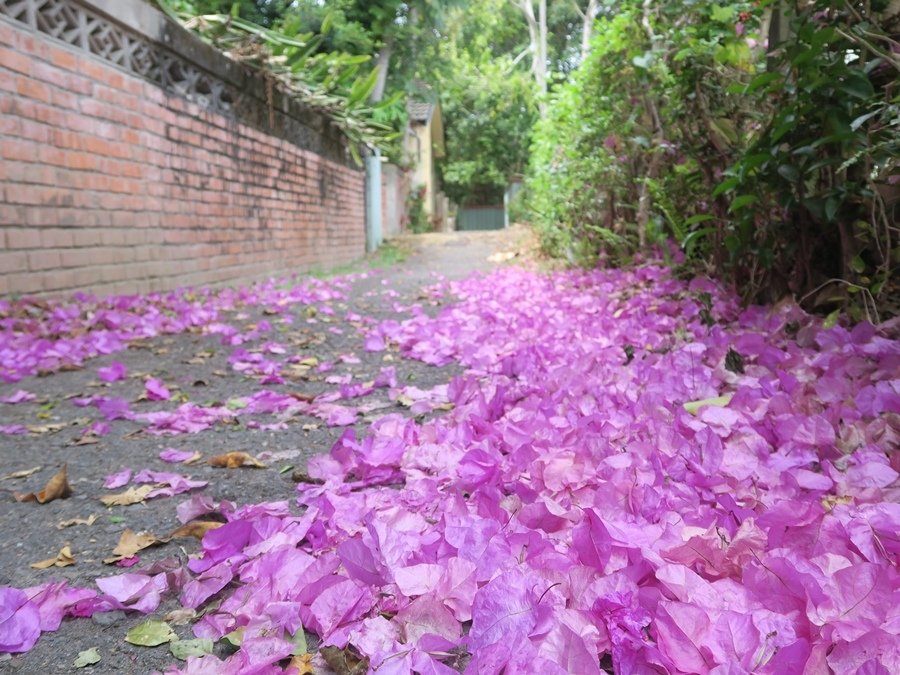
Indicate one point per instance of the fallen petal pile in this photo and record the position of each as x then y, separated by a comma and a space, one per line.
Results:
633, 474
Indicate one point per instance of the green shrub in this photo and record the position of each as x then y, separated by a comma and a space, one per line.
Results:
772, 169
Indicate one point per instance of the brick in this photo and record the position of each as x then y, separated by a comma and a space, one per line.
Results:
20, 238
51, 155
34, 89
87, 237
23, 283
56, 237
43, 259
64, 58
56, 280
12, 262
18, 149
16, 61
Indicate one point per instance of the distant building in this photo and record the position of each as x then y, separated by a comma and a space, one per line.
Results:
424, 145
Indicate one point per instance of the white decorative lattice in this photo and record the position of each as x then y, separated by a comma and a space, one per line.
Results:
77, 24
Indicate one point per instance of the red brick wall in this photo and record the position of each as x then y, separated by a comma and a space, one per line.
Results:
109, 184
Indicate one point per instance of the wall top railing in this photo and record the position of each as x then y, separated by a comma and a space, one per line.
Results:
138, 38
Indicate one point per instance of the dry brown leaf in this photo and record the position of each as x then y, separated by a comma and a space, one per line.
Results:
90, 520
195, 529
303, 477
87, 439
63, 559
24, 473
39, 429
131, 542
345, 661
57, 488
233, 460
180, 617
133, 495
196, 457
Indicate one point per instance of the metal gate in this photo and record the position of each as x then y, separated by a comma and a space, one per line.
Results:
480, 218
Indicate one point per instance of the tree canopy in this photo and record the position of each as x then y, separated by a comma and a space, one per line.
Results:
760, 138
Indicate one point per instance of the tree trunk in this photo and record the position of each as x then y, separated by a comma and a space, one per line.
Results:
587, 26
537, 35
383, 63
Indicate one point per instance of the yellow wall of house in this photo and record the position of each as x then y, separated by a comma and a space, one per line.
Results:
421, 153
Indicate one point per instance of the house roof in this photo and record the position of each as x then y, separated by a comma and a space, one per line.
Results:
419, 111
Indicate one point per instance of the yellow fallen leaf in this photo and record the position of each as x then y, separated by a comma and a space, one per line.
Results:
24, 473
133, 495
63, 559
195, 529
90, 520
233, 460
830, 501
131, 542
303, 664
693, 407
57, 488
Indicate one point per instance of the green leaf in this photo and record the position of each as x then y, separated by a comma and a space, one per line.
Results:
857, 84
286, 468
327, 22
299, 641
789, 172
235, 637
733, 244
151, 633
751, 162
832, 204
832, 319
362, 88
182, 649
699, 218
859, 121
742, 201
235, 404
761, 80
725, 186
857, 264
722, 14
734, 362
693, 238
87, 658
693, 407
354, 152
